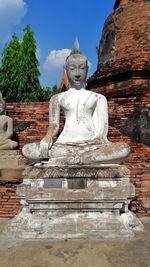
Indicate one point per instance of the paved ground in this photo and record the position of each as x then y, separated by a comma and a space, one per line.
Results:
84, 253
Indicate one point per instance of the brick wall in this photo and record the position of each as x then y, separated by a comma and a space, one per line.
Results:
124, 45
9, 203
120, 109
30, 121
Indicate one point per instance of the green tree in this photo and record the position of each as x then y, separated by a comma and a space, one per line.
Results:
47, 92
29, 85
55, 90
19, 73
9, 70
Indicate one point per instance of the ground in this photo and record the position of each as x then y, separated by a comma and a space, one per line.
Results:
76, 253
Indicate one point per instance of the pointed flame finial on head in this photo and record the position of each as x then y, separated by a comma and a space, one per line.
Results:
76, 45
76, 52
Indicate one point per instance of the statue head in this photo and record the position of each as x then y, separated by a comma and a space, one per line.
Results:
2, 105
76, 68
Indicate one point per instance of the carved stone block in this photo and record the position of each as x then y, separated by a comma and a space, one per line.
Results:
75, 202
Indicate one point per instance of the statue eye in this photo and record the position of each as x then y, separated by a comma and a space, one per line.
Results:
71, 67
82, 67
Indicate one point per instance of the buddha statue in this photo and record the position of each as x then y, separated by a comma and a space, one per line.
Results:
6, 128
84, 136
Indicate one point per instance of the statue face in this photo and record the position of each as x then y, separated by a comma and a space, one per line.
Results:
76, 69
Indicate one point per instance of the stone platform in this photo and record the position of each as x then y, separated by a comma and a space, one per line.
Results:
10, 159
12, 163
76, 202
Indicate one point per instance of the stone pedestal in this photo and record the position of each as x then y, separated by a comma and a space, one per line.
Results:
10, 159
76, 202
12, 163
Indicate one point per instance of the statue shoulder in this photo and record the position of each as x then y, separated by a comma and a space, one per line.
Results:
55, 98
6, 118
101, 97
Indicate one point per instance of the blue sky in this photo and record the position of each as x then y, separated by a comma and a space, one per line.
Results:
55, 24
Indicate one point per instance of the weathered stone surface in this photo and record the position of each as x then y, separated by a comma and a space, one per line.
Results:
94, 205
10, 159
77, 171
75, 225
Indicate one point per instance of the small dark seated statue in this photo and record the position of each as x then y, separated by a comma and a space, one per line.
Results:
6, 128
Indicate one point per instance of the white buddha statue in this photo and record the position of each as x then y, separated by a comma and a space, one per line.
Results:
6, 128
84, 136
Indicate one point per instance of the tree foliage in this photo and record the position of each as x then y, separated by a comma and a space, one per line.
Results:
48, 92
9, 82
19, 73
29, 85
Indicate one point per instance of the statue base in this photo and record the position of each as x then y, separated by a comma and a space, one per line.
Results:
76, 202
12, 163
10, 159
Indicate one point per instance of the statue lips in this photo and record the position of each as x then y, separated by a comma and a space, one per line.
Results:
77, 81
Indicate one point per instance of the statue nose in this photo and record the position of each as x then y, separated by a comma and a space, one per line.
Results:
77, 76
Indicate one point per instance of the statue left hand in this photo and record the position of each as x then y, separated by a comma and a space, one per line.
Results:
47, 142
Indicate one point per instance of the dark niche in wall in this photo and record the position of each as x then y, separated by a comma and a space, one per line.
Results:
138, 126
107, 48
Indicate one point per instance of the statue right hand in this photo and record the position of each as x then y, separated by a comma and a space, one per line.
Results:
47, 142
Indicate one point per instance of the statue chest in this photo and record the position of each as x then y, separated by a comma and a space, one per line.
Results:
79, 102
3, 123
3, 127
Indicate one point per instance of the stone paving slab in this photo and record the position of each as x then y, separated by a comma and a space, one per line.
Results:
80, 253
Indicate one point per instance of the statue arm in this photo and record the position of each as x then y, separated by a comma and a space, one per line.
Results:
100, 118
9, 131
54, 117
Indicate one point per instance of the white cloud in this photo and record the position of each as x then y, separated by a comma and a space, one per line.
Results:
11, 13
56, 59
89, 64
38, 53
